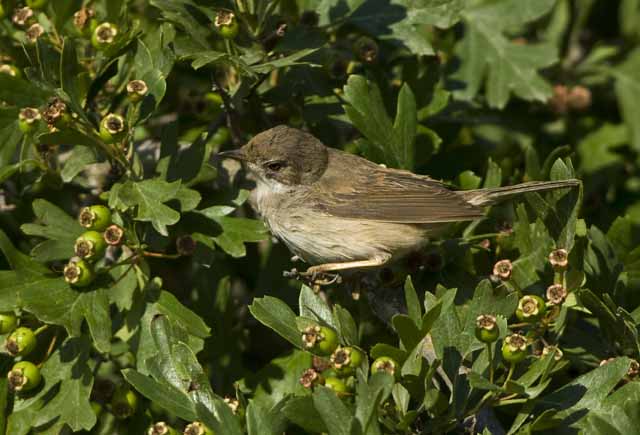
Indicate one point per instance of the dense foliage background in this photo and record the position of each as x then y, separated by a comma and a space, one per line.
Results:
191, 306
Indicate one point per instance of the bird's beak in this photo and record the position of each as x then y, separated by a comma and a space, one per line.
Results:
237, 154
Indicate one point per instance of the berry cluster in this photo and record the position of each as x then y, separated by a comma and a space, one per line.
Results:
24, 375
91, 246
533, 313
335, 366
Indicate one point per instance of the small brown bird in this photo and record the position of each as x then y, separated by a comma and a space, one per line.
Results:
339, 211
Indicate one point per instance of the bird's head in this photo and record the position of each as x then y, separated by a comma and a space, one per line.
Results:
283, 155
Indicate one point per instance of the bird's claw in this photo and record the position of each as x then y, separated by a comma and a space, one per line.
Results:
314, 278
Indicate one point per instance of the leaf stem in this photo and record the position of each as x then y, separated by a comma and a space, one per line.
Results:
41, 329
512, 368
490, 356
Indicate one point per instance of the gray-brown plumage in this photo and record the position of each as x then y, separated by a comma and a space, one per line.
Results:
339, 211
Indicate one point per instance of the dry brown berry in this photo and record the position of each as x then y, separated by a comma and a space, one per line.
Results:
34, 32
502, 269
556, 294
22, 16
309, 378
54, 111
558, 101
634, 369
579, 98
81, 17
185, 245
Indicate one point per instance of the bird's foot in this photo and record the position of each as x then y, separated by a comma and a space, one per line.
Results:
313, 277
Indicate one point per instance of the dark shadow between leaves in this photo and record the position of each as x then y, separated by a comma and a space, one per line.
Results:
265, 375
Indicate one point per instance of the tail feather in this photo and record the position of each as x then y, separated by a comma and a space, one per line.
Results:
484, 197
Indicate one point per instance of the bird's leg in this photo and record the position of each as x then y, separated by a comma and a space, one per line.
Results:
332, 267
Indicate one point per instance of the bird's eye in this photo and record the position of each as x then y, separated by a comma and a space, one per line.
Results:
275, 166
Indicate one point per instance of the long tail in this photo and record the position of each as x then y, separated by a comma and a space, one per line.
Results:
484, 197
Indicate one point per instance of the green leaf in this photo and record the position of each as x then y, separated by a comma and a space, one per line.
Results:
57, 226
413, 304
333, 412
508, 67
230, 233
587, 392
19, 92
70, 368
164, 395
149, 197
366, 110
169, 305
312, 306
627, 88
405, 126
74, 81
277, 315
280, 378
302, 412
81, 156
347, 328
597, 149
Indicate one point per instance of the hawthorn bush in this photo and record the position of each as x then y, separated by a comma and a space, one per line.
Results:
139, 294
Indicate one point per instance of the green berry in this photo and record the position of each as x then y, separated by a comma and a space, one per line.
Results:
226, 24
124, 402
104, 35
531, 308
136, 90
90, 245
112, 128
320, 340
21, 342
487, 330
346, 359
78, 273
95, 217
24, 376
385, 364
28, 119
161, 428
215, 99
514, 348
197, 428
8, 322
36, 4
337, 385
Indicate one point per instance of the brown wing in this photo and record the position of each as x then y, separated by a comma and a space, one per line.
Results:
387, 195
